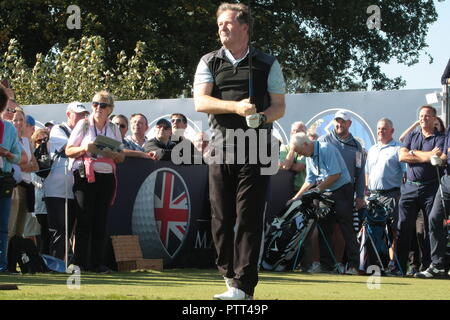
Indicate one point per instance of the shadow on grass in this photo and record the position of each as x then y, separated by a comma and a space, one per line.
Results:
150, 278
181, 277
338, 279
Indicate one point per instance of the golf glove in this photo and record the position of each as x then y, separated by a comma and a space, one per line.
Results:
255, 120
436, 161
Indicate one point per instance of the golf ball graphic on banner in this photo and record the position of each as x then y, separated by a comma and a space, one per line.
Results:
161, 214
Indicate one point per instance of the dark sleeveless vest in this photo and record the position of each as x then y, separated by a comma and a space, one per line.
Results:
231, 83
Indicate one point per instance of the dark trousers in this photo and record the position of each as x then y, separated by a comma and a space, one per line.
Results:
56, 208
92, 202
418, 243
414, 198
237, 194
438, 237
343, 215
44, 238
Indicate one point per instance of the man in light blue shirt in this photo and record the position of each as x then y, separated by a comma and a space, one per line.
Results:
323, 164
385, 171
327, 171
383, 168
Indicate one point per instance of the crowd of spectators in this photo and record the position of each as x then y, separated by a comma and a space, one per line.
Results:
402, 175
73, 199
70, 199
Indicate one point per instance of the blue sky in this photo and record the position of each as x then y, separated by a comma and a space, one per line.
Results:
424, 75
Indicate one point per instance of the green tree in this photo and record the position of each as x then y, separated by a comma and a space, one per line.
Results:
77, 71
323, 45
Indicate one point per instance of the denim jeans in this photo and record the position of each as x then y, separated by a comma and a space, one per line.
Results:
5, 209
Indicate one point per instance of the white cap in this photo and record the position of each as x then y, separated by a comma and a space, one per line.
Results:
49, 123
76, 107
345, 115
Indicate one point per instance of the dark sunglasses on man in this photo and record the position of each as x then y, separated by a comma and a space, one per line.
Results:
102, 105
121, 125
176, 120
11, 110
159, 126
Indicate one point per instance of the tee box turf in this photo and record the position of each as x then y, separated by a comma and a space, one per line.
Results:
128, 255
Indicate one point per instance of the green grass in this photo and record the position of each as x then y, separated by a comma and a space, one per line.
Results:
199, 284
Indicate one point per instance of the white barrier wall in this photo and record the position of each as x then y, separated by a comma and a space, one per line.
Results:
400, 106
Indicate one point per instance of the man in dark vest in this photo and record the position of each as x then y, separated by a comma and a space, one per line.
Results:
237, 183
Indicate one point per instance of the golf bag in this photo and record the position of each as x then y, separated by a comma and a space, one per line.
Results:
374, 234
290, 228
23, 252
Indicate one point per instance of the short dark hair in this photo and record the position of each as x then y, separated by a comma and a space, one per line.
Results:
183, 117
242, 10
3, 99
121, 116
139, 114
164, 122
427, 106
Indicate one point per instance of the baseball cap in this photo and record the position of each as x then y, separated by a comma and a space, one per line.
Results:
30, 120
164, 122
76, 107
49, 123
345, 115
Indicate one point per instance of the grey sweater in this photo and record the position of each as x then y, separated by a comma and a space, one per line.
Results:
354, 157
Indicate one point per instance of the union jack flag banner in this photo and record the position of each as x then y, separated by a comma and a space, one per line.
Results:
172, 210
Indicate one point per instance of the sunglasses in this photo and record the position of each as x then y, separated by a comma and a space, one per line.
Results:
43, 140
102, 105
176, 120
11, 110
164, 127
121, 125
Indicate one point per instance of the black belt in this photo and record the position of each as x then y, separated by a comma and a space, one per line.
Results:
385, 191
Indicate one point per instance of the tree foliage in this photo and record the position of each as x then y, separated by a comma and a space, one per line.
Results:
78, 71
323, 45
326, 44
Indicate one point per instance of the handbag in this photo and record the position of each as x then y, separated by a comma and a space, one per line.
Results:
44, 160
30, 194
7, 184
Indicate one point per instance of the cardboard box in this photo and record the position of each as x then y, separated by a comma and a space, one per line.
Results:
147, 264
128, 255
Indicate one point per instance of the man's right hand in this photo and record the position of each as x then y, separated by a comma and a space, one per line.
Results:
5, 153
436, 152
155, 154
90, 147
290, 201
245, 108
